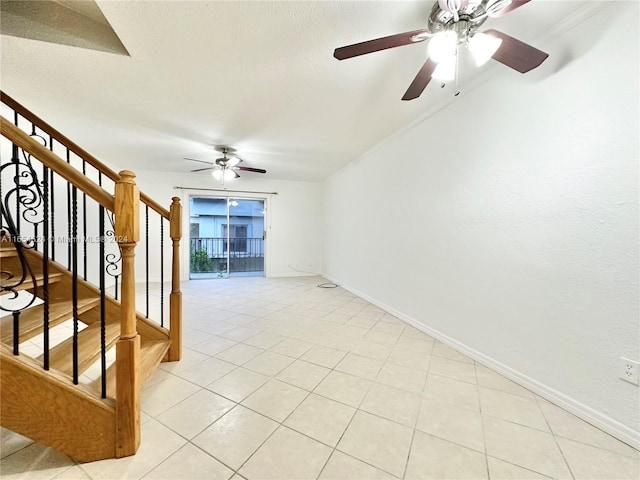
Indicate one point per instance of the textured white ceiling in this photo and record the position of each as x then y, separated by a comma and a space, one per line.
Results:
259, 76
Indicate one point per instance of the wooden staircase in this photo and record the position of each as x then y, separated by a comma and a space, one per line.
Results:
45, 397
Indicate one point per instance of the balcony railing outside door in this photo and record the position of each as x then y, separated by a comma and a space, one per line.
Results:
214, 254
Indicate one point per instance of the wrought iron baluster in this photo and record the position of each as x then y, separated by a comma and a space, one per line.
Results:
16, 159
15, 154
45, 266
69, 239
53, 216
161, 271
74, 284
146, 251
103, 347
16, 314
16, 332
103, 289
84, 224
35, 225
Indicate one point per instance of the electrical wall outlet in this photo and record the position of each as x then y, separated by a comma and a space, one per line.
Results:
629, 370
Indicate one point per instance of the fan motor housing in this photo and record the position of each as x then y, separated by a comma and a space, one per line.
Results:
470, 17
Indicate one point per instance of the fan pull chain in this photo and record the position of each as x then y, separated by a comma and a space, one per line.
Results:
457, 92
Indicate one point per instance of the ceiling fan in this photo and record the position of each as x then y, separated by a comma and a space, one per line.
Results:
451, 24
226, 167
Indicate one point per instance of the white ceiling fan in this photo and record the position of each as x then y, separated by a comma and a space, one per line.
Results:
226, 167
451, 25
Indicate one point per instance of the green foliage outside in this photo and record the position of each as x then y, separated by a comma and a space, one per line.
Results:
200, 261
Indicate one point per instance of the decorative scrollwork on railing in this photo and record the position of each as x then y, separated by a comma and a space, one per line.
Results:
113, 265
26, 194
24, 199
11, 284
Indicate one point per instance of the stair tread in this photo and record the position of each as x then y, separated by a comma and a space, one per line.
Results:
28, 283
31, 319
7, 252
151, 354
60, 356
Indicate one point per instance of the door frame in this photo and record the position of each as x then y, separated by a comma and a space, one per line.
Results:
187, 194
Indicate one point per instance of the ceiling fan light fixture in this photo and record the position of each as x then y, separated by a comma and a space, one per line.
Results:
233, 161
483, 46
443, 46
224, 174
445, 71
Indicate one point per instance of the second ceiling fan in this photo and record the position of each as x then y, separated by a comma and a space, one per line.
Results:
454, 23
226, 167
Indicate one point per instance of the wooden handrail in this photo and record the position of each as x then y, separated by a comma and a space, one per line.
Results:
75, 148
55, 163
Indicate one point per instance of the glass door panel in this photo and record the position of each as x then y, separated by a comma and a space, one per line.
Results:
246, 237
226, 237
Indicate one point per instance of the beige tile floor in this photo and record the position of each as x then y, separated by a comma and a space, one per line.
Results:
284, 380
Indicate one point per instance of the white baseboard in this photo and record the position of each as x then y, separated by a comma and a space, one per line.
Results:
609, 425
292, 274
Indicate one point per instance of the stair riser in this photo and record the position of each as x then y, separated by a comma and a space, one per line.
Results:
51, 410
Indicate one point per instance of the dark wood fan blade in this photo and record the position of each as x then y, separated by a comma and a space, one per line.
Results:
249, 169
514, 4
516, 54
376, 45
421, 81
194, 160
203, 169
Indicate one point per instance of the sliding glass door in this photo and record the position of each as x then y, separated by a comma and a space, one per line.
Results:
226, 236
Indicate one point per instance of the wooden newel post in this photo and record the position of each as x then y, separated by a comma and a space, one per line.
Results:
127, 231
175, 300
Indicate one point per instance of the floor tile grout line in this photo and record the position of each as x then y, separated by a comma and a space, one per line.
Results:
520, 466
636, 456
406, 462
484, 438
180, 448
280, 424
333, 451
555, 440
19, 450
190, 441
415, 424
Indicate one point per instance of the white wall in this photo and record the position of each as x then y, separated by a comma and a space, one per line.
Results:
511, 226
294, 215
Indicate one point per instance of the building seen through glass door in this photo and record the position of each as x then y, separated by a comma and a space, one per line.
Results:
226, 237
